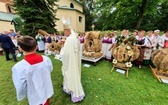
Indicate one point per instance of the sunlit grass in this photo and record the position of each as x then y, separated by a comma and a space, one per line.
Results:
101, 87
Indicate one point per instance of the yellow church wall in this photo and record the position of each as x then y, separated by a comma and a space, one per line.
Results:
65, 13
74, 15
67, 3
3, 7
80, 26
6, 26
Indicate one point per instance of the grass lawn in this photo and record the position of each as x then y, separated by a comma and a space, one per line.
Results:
140, 88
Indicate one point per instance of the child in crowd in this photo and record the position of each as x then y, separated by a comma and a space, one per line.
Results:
32, 75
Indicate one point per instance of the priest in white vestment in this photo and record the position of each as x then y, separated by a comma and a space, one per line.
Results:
71, 64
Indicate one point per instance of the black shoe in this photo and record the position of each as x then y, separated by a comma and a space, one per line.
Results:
9, 59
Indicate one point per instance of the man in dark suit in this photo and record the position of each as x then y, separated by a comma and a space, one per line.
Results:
8, 46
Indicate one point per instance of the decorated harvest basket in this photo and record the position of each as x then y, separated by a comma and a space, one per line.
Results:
124, 52
160, 61
55, 47
93, 45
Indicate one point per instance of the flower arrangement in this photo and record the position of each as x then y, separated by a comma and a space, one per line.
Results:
114, 61
130, 53
128, 64
128, 47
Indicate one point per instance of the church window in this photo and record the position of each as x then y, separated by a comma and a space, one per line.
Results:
71, 5
80, 19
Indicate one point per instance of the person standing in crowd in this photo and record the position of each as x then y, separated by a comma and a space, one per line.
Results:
53, 37
57, 38
115, 36
135, 33
140, 42
71, 64
165, 38
104, 44
81, 39
113, 43
125, 33
47, 41
109, 50
148, 48
18, 35
14, 40
40, 42
8, 46
157, 42
33, 80
12, 33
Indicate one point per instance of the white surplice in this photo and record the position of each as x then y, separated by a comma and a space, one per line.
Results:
33, 81
71, 68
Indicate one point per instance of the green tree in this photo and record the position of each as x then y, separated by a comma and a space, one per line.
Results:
88, 8
37, 14
162, 20
129, 14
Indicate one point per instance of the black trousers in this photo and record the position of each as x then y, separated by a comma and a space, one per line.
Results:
8, 51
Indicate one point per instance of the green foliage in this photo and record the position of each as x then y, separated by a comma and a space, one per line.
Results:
87, 9
100, 86
130, 14
163, 16
37, 14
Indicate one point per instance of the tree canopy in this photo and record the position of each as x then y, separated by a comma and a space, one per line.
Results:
130, 14
36, 14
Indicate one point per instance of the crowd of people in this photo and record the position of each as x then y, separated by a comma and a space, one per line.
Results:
8, 41
147, 42
34, 79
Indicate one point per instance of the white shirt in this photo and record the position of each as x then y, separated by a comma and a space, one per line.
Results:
33, 81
